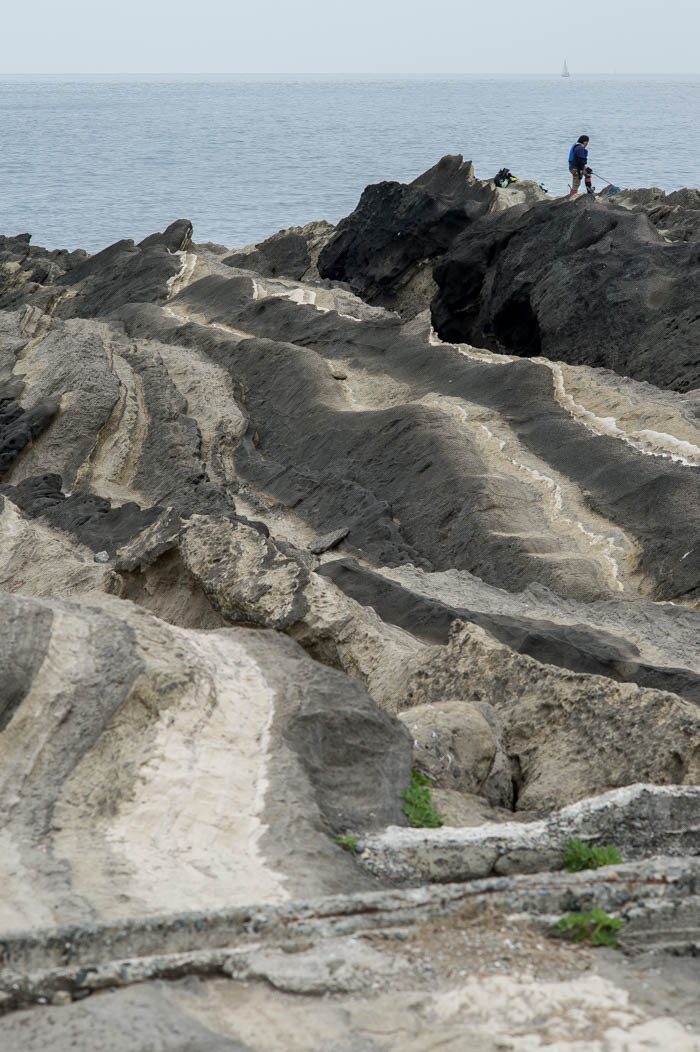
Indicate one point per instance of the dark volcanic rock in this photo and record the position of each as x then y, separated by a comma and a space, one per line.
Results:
579, 281
75, 284
396, 226
88, 516
675, 215
176, 238
122, 273
399, 228
29, 274
291, 253
19, 426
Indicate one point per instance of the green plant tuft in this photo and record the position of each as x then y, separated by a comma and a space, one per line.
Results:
597, 928
419, 807
348, 843
583, 856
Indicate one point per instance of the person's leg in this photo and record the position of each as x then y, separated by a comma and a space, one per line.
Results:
575, 180
587, 176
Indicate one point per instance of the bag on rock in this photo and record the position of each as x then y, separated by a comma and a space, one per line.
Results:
504, 178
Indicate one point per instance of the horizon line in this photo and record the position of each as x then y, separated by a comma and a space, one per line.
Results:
341, 76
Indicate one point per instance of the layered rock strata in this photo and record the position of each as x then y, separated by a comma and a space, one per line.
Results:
607, 281
266, 546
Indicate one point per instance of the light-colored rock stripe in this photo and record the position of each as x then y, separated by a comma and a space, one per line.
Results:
589, 534
683, 447
184, 276
190, 834
210, 397
646, 440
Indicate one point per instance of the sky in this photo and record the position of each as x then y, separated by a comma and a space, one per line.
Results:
363, 38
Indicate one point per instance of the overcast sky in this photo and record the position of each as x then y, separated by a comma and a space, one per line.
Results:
376, 38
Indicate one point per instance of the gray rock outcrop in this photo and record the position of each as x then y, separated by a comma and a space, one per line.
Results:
128, 745
583, 281
266, 546
452, 744
639, 820
386, 249
291, 253
676, 215
568, 735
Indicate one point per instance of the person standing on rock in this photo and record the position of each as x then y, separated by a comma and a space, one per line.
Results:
578, 165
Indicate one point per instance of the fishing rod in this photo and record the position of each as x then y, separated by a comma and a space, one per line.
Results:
609, 181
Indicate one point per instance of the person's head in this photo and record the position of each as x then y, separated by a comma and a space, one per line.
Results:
584, 140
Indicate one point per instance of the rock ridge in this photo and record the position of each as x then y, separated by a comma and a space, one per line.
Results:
269, 541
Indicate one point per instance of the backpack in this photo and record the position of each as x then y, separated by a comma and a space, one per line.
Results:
504, 178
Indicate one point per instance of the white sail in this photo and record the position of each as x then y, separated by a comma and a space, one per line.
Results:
565, 71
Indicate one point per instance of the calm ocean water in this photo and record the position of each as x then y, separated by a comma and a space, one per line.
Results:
84, 163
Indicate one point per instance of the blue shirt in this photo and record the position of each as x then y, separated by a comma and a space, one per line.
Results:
578, 156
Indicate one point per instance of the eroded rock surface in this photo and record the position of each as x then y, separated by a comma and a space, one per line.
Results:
147, 766
639, 820
291, 253
386, 249
580, 280
266, 545
675, 215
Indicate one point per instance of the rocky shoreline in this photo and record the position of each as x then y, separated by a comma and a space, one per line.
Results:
282, 524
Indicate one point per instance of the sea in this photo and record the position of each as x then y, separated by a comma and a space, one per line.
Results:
88, 161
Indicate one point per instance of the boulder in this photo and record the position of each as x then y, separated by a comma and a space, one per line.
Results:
452, 744
567, 735
328, 541
176, 238
246, 577
357, 757
465, 809
676, 215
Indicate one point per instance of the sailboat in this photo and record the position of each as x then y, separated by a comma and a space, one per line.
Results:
565, 71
